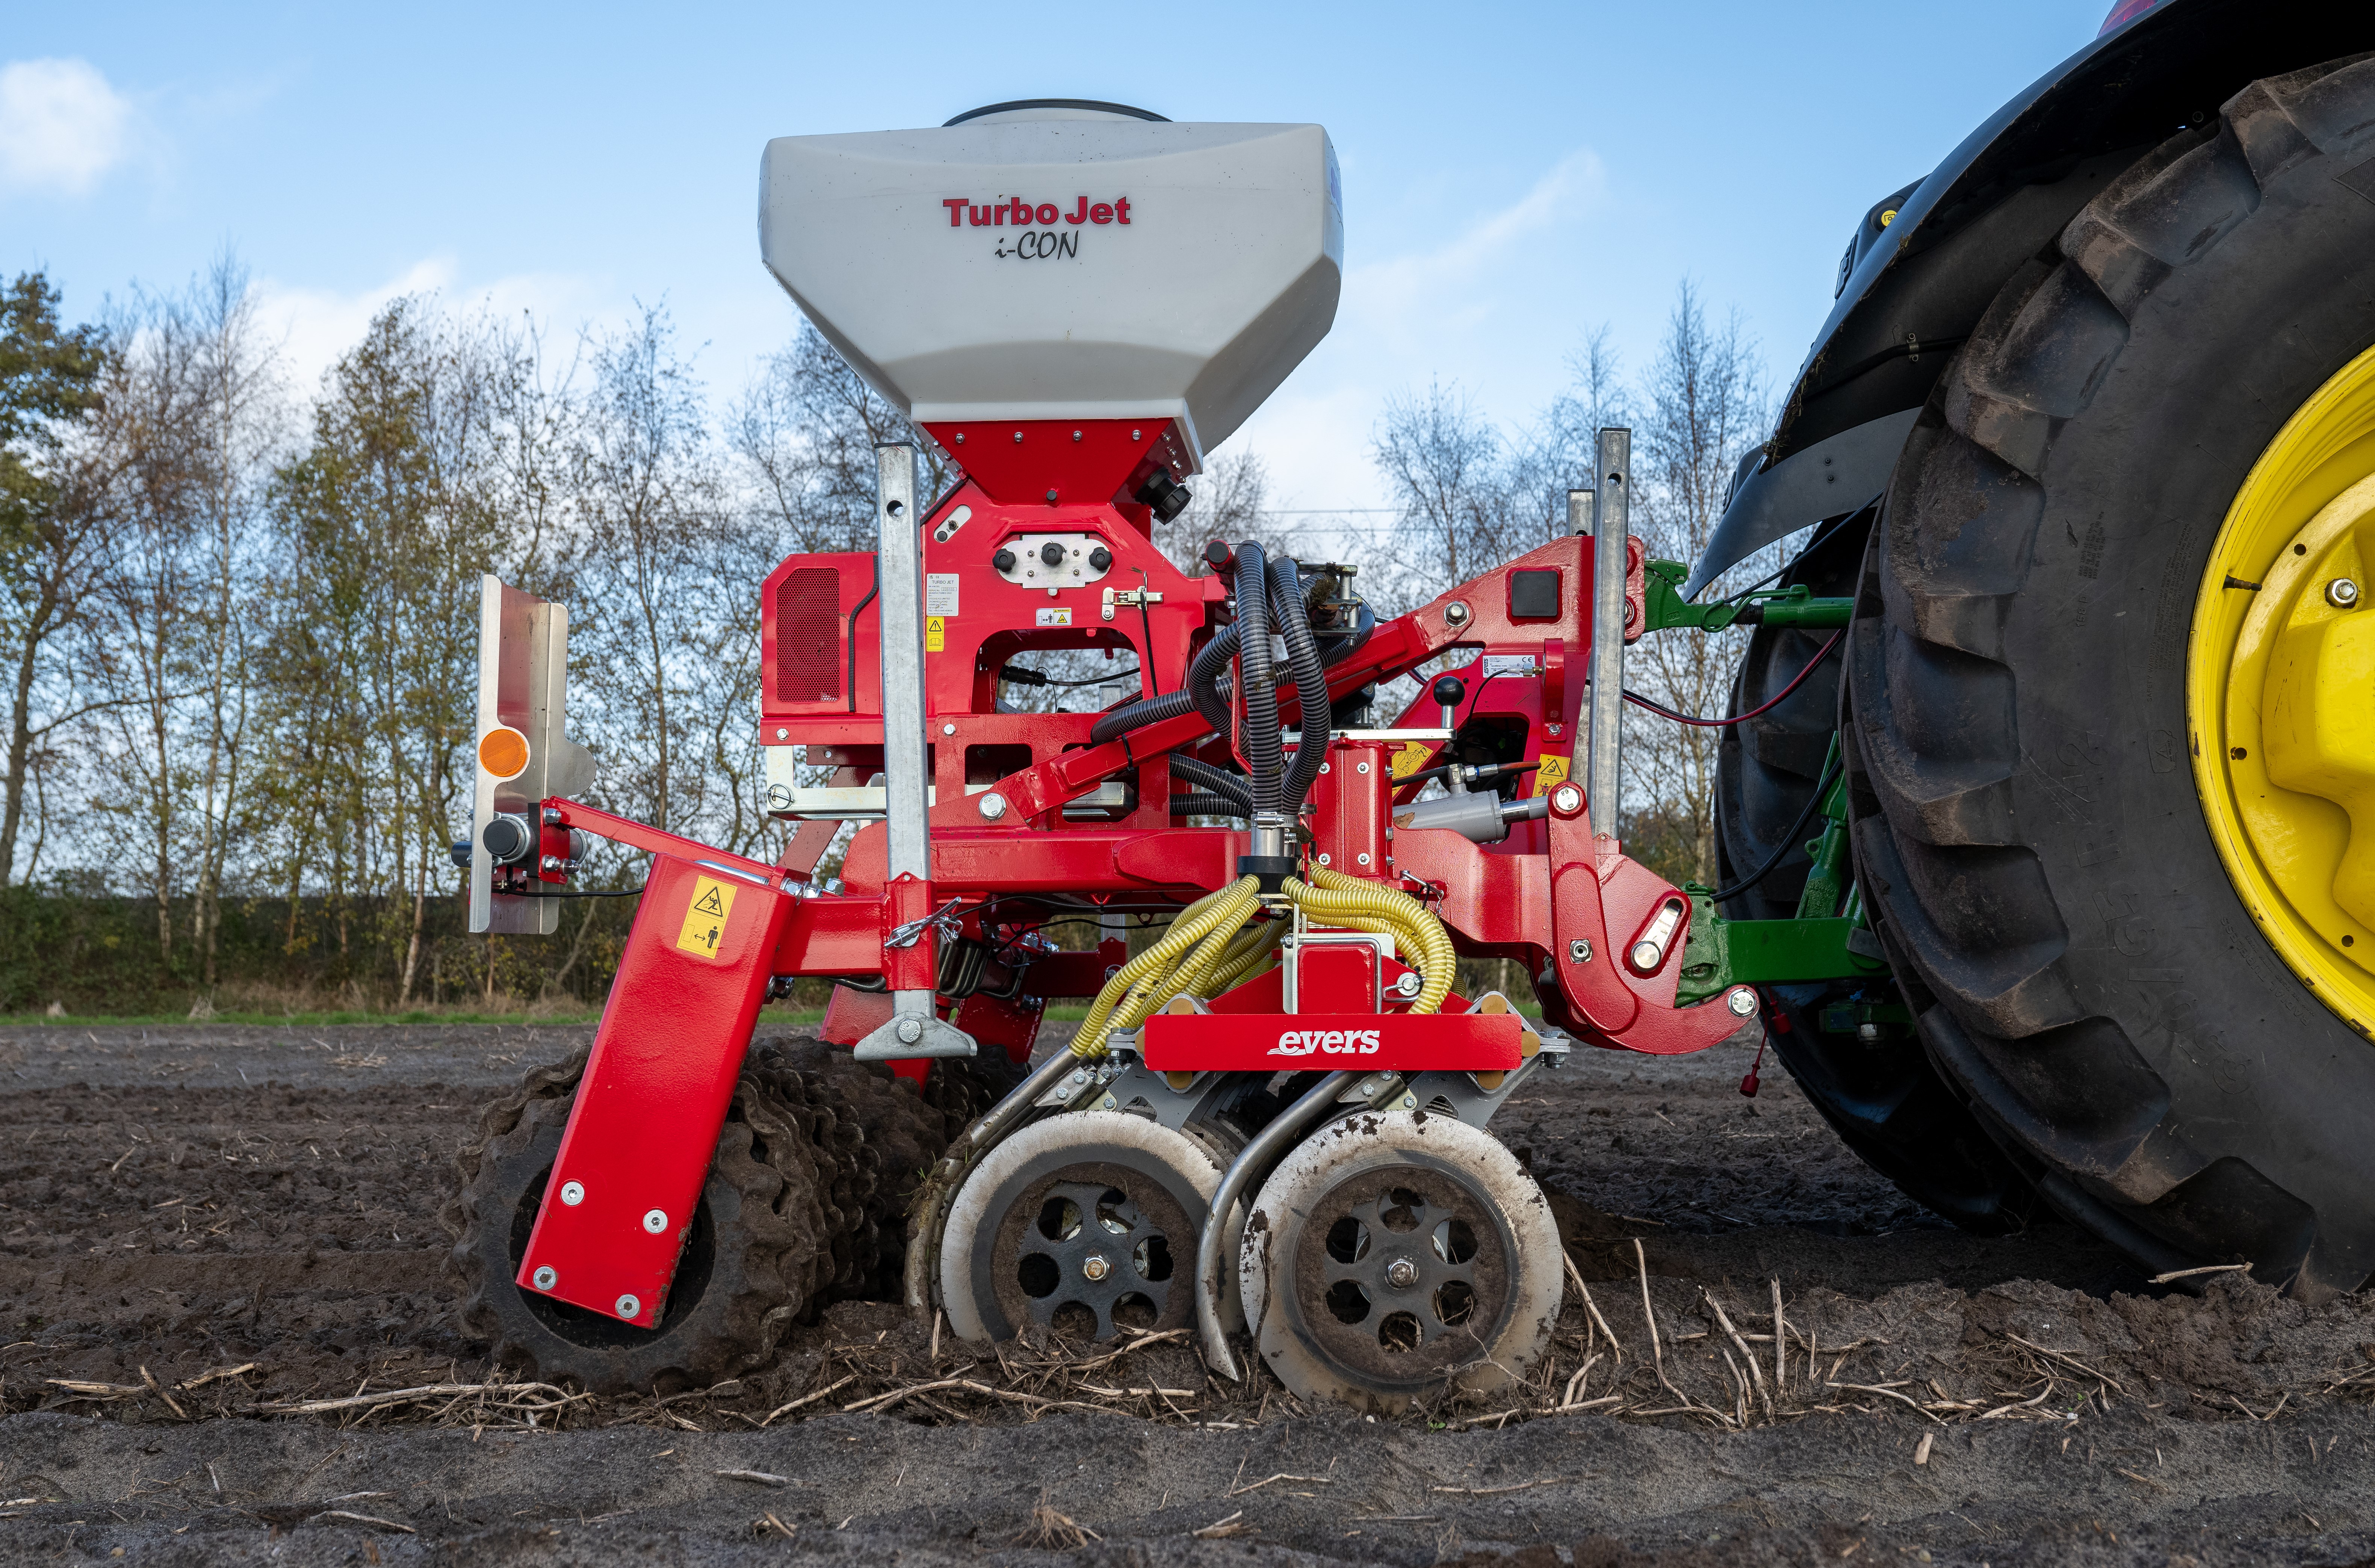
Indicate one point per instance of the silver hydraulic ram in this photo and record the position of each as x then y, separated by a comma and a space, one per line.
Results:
1605, 782
914, 1029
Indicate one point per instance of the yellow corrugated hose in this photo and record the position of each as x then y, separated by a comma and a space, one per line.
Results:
1144, 982
1249, 951
1348, 900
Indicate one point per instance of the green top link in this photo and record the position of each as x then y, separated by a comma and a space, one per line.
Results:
1795, 606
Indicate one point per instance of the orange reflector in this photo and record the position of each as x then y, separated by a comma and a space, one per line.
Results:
503, 751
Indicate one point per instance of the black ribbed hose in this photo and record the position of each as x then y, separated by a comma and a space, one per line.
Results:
1202, 803
1310, 679
1217, 781
1205, 673
1259, 692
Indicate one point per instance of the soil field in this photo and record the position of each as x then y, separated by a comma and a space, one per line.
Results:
206, 1228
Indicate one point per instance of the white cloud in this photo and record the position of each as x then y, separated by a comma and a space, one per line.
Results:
313, 326
60, 126
1441, 310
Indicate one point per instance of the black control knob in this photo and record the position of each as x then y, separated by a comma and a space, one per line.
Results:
1449, 689
1003, 560
1052, 553
1101, 558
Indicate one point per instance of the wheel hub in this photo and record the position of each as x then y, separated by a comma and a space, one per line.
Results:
1090, 1249
2280, 684
1403, 1273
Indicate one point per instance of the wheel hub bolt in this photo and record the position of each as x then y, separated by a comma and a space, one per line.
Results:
1402, 1274
1094, 1267
2341, 593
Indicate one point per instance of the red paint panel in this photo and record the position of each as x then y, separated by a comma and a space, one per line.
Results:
646, 1122
1325, 1042
1017, 462
1336, 977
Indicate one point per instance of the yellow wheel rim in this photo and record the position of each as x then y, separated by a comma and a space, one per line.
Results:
2280, 693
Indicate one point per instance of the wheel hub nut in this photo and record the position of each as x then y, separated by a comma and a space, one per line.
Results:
1402, 1274
1094, 1266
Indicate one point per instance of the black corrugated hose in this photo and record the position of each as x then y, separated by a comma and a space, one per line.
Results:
1310, 677
1217, 781
1200, 803
1259, 744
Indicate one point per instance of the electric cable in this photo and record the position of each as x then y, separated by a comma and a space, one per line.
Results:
1795, 681
1780, 851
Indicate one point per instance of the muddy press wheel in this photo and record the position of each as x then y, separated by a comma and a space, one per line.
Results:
1083, 1223
1391, 1254
747, 1266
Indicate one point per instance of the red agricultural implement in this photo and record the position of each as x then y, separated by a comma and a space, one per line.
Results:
1274, 1117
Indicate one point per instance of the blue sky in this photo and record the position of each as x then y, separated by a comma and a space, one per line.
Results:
1513, 174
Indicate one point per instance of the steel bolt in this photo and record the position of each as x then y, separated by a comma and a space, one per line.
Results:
545, 1277
630, 1307
1567, 800
2341, 593
1323, 857
1742, 1001
1409, 984
948, 729
1402, 1274
1363, 857
1363, 768
1410, 1101
573, 1193
1456, 613
1578, 951
1094, 1267
992, 806
782, 734
1869, 1033
911, 1030
656, 1222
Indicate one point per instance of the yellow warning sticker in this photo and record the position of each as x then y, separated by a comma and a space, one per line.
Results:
936, 634
1551, 774
705, 917
1409, 757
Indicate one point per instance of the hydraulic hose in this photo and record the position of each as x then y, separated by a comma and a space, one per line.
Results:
1228, 906
1310, 679
1256, 691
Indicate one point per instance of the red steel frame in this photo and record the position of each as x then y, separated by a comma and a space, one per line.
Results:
713, 931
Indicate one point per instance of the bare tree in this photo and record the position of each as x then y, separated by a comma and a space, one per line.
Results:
1706, 406
806, 432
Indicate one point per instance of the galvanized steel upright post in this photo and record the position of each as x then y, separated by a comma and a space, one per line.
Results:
914, 1029
1610, 526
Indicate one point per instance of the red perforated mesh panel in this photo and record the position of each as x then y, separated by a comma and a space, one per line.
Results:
808, 652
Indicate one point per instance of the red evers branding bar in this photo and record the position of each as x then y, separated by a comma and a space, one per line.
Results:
1324, 1041
962, 212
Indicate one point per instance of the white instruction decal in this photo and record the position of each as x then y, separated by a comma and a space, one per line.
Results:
1055, 617
940, 593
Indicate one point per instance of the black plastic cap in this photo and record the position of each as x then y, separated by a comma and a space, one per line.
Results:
1273, 869
1220, 557
1100, 558
1003, 560
506, 840
1448, 690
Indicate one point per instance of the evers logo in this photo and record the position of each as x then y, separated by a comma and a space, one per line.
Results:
1330, 1042
1024, 214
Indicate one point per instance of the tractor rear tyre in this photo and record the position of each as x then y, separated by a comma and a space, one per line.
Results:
1844, 1043
2109, 704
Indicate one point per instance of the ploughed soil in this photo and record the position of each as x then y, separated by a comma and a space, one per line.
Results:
204, 1227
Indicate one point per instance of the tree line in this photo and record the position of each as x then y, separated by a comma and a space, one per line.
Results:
240, 618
